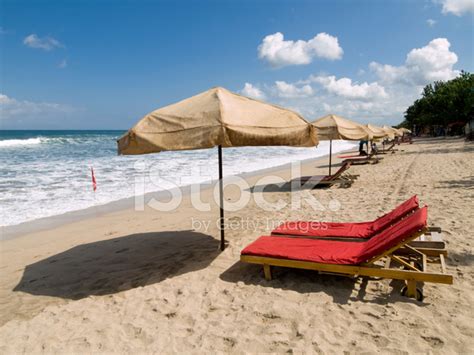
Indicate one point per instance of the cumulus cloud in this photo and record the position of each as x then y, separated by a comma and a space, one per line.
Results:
345, 88
11, 108
382, 100
252, 91
279, 52
432, 62
283, 89
457, 7
44, 43
431, 22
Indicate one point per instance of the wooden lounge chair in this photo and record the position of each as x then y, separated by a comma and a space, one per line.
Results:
382, 256
339, 177
358, 231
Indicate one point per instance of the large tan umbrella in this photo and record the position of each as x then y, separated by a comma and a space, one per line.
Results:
332, 127
404, 130
217, 117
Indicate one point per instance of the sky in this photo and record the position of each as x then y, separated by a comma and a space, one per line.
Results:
105, 64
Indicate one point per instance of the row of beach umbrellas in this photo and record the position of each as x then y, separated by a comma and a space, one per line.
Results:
220, 118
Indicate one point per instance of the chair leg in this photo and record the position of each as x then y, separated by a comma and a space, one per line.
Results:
267, 271
411, 288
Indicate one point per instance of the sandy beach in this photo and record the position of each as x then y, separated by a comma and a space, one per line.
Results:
155, 282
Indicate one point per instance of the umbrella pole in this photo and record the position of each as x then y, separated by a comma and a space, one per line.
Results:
330, 156
221, 198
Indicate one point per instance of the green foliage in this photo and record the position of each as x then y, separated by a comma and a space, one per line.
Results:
442, 103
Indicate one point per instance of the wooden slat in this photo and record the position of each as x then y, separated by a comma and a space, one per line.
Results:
443, 264
398, 246
369, 270
404, 263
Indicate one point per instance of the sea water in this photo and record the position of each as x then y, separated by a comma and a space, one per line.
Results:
46, 173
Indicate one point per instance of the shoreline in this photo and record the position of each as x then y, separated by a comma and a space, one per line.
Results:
51, 222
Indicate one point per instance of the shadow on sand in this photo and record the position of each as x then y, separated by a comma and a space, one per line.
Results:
463, 183
109, 266
342, 289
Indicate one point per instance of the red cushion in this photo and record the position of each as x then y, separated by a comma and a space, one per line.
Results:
325, 229
338, 252
362, 230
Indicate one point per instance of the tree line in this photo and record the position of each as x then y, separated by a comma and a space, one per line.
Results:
446, 105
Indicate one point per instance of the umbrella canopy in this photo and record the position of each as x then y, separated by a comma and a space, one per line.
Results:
392, 132
404, 130
217, 117
377, 132
335, 127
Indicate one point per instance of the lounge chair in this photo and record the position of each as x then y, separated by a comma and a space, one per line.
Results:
358, 230
339, 177
355, 259
365, 230
363, 159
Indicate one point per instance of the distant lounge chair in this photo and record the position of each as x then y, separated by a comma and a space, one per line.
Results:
401, 261
363, 159
329, 180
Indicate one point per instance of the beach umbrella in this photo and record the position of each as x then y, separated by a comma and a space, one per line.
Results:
404, 130
331, 127
392, 132
217, 118
377, 132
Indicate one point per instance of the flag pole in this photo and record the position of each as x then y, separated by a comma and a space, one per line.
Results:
221, 198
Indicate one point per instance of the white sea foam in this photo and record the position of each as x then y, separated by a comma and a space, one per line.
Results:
54, 178
19, 142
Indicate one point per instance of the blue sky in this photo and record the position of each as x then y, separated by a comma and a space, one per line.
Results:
105, 64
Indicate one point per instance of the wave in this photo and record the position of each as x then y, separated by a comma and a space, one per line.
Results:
17, 142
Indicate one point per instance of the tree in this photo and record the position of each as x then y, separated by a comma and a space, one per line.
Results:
443, 103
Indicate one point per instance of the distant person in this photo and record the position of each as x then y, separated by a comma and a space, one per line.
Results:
374, 148
361, 147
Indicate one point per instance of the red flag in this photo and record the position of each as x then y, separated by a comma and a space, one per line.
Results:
94, 183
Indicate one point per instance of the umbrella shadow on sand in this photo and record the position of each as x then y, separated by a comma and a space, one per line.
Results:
342, 289
114, 265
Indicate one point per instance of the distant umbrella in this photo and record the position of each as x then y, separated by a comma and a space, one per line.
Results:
377, 132
331, 127
217, 118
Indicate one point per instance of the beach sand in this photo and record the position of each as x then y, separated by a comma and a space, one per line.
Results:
130, 281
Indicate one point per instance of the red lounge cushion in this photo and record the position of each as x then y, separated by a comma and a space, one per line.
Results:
399, 212
325, 229
362, 230
338, 252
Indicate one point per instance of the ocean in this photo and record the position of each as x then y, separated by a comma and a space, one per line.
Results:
47, 173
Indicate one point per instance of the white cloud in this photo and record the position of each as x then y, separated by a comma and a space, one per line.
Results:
11, 108
284, 90
279, 53
457, 7
423, 65
62, 64
252, 91
45, 43
431, 22
345, 88
382, 101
